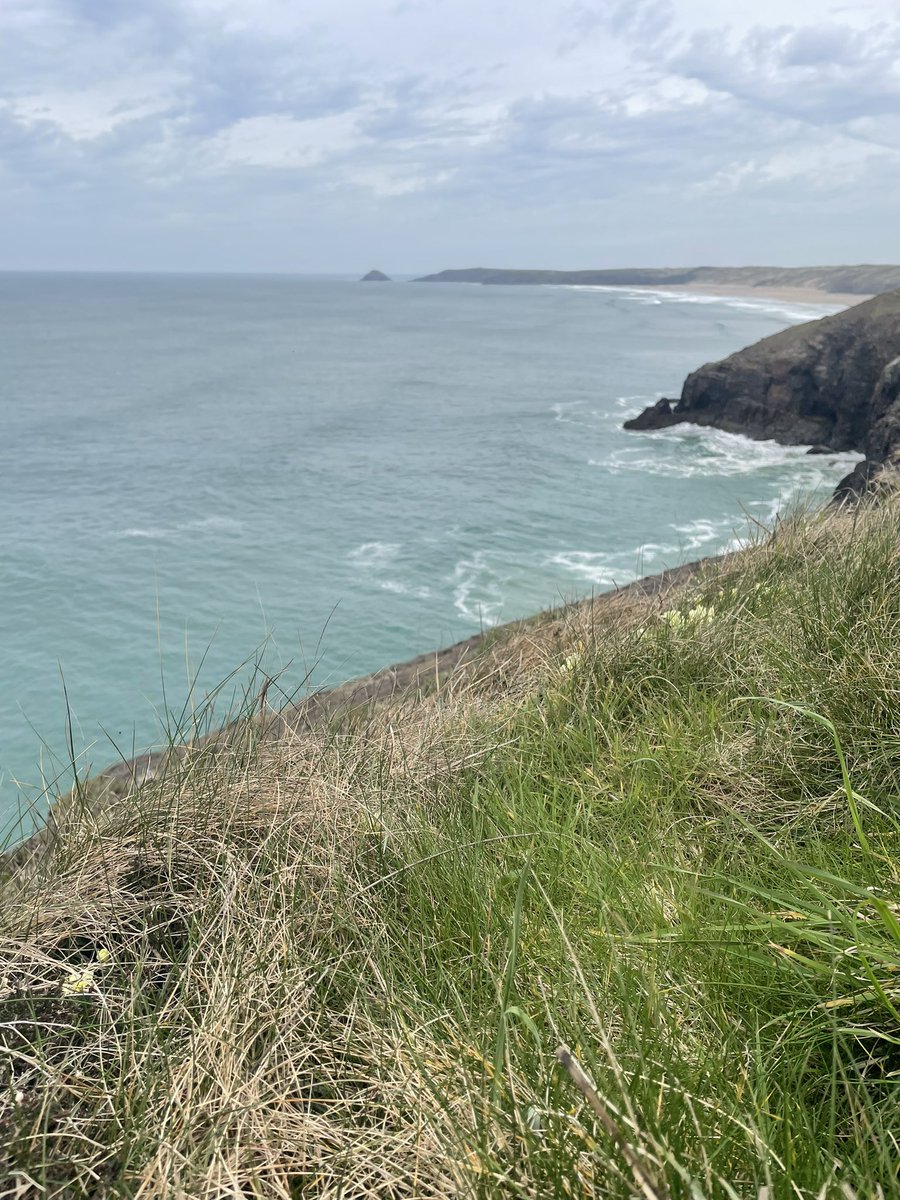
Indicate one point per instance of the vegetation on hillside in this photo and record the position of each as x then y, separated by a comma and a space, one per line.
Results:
662, 833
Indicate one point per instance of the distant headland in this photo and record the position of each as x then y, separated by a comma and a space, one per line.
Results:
849, 281
376, 277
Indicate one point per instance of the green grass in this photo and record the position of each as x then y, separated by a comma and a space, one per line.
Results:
342, 964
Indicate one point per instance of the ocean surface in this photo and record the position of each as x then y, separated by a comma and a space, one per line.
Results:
201, 472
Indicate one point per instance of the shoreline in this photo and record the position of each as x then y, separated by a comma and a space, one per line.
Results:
429, 672
795, 295
357, 697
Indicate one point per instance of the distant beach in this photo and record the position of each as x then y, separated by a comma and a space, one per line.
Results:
791, 295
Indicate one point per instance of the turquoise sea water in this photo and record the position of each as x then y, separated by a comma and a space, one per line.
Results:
191, 467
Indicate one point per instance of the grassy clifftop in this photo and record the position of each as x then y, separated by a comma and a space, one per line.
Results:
661, 831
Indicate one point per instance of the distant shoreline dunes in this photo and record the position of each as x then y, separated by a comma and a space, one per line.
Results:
864, 280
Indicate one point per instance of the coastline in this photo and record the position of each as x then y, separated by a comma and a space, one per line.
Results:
737, 292
355, 699
174, 532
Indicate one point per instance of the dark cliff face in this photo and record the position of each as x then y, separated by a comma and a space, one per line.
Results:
833, 382
883, 440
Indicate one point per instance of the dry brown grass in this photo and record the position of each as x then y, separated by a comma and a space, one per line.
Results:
312, 986
203, 1062
244, 1084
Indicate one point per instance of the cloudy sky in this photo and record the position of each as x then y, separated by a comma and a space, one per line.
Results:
337, 135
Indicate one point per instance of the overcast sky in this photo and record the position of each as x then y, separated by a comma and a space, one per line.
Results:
411, 135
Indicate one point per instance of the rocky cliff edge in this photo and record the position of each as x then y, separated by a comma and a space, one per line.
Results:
831, 383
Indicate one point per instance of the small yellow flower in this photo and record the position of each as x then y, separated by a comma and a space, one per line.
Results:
701, 614
78, 983
103, 956
572, 660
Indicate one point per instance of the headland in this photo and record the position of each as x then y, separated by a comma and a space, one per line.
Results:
832, 383
838, 284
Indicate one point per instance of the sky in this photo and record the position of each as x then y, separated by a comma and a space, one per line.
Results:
413, 135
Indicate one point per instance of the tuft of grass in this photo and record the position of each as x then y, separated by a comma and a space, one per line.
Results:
654, 839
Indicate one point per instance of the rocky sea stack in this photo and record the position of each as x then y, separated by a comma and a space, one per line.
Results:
376, 277
832, 383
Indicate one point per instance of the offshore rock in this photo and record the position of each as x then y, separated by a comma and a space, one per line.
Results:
831, 383
658, 416
376, 277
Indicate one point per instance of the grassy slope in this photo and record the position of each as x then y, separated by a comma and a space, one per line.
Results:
341, 965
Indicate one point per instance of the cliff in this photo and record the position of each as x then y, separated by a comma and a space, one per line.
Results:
864, 280
834, 382
345, 952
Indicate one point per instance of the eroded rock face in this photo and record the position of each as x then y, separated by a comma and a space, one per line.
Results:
880, 469
883, 440
834, 382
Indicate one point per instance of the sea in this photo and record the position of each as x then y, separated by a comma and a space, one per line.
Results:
206, 479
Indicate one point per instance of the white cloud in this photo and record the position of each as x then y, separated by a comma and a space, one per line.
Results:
89, 113
283, 142
387, 184
553, 125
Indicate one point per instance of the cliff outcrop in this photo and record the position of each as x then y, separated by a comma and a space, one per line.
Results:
831, 383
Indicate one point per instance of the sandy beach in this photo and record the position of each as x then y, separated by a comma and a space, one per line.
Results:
789, 294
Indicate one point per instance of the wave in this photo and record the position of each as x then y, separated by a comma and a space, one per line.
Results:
374, 555
615, 569
403, 589
143, 533
693, 535
577, 412
696, 451
637, 403
764, 305
223, 524
197, 525
562, 409
373, 558
477, 590
596, 566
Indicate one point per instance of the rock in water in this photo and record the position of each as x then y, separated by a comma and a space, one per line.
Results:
834, 382
657, 416
375, 277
